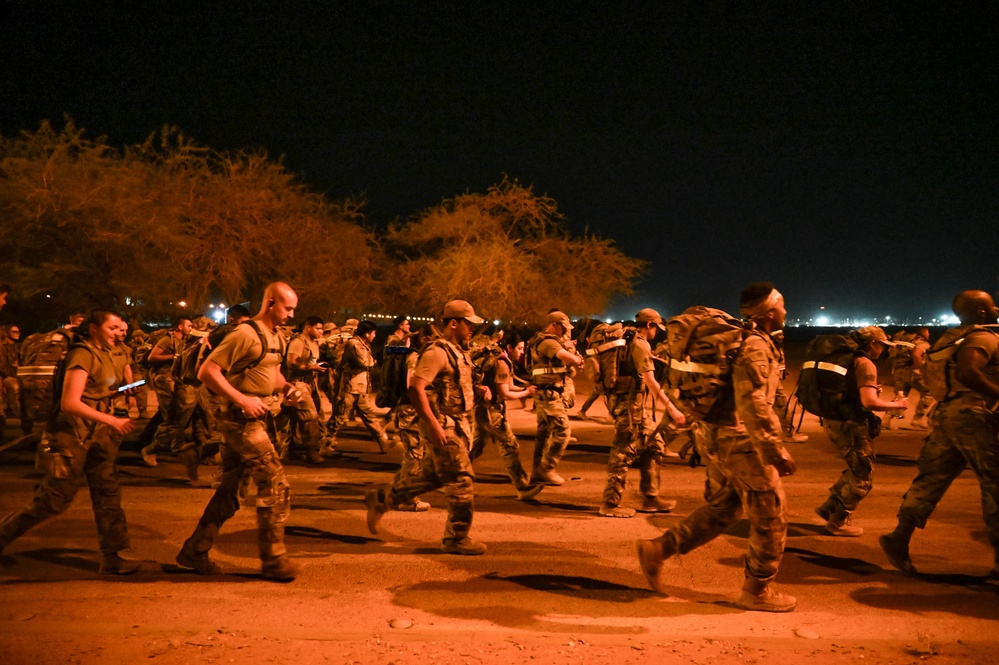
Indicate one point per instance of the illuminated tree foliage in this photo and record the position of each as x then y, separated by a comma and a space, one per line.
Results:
509, 252
143, 228
166, 221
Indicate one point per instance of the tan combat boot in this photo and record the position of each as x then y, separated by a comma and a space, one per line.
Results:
652, 554
759, 596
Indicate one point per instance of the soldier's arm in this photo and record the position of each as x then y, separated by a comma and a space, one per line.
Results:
71, 403
418, 398
211, 375
569, 358
649, 379
159, 354
751, 376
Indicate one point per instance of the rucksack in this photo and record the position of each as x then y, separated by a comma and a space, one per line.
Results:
484, 360
545, 374
939, 362
701, 346
610, 345
41, 358
901, 352
392, 390
827, 385
142, 352
192, 356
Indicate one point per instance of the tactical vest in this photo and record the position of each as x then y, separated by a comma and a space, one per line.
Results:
550, 373
451, 393
940, 368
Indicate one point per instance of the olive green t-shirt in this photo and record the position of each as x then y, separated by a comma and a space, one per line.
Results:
100, 369
240, 349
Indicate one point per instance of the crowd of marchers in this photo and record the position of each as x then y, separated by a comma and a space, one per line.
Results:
247, 396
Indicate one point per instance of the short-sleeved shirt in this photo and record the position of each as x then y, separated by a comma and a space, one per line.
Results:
357, 361
866, 372
430, 363
102, 381
166, 345
240, 349
549, 348
987, 343
307, 351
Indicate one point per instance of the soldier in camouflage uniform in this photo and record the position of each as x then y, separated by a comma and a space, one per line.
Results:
355, 386
490, 423
442, 393
9, 347
745, 461
634, 434
907, 373
161, 359
142, 392
854, 439
964, 431
81, 442
550, 363
245, 370
304, 367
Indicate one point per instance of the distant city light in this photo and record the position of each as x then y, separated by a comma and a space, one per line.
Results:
822, 320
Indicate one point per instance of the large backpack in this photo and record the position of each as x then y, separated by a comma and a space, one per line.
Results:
610, 346
41, 357
701, 346
827, 384
901, 352
548, 374
392, 390
144, 349
938, 368
192, 356
484, 359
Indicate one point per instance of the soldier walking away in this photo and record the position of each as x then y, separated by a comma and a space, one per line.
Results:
745, 460
854, 439
550, 361
160, 361
907, 358
80, 443
634, 433
964, 427
442, 393
355, 387
245, 371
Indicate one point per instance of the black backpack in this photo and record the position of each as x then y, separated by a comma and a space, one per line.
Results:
393, 390
827, 385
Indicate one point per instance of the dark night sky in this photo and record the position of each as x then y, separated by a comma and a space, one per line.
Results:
846, 151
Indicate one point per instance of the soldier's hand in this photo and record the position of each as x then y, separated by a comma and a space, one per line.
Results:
123, 426
253, 407
902, 403
484, 392
532, 391
785, 466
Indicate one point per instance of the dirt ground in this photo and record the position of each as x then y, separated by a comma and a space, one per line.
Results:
559, 584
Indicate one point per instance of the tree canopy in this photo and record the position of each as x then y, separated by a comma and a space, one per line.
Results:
142, 228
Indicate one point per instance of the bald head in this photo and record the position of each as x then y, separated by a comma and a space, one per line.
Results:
279, 304
975, 307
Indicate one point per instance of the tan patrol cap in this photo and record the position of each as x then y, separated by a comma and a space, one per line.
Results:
869, 334
461, 309
351, 323
649, 315
329, 327
561, 319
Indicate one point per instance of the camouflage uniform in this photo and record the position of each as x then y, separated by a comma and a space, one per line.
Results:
738, 452
188, 406
554, 430
161, 376
303, 415
74, 449
407, 426
854, 442
8, 371
491, 424
905, 378
246, 451
634, 434
355, 386
964, 432
448, 466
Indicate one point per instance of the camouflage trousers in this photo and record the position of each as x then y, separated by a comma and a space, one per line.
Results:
12, 394
413, 448
247, 451
188, 406
344, 412
905, 381
854, 444
598, 391
67, 457
444, 466
964, 433
634, 442
163, 386
553, 432
301, 419
737, 481
781, 403
490, 424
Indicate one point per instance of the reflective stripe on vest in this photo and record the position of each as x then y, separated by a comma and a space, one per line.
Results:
696, 368
606, 347
548, 370
36, 370
829, 367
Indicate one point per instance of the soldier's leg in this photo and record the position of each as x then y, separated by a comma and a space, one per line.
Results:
598, 390
854, 444
622, 451
939, 464
413, 449
541, 435
978, 428
105, 491
481, 431
455, 471
560, 430
372, 421
61, 457
766, 510
509, 449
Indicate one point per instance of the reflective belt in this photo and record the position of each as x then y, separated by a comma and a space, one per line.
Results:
696, 368
36, 370
829, 367
607, 346
548, 370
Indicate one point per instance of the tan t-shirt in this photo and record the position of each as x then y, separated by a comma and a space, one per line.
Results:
987, 343
99, 366
241, 348
166, 345
866, 371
